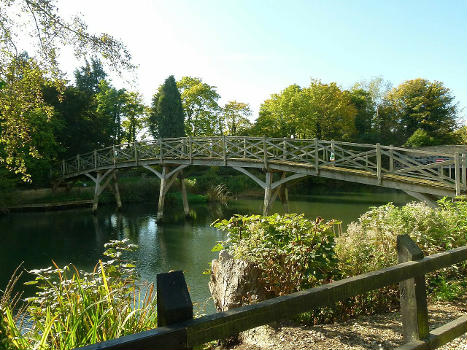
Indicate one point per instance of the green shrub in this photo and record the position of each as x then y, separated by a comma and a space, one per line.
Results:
73, 308
370, 243
293, 252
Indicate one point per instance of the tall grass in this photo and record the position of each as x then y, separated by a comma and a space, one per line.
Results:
74, 308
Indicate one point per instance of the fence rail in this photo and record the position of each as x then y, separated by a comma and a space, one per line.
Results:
188, 332
436, 169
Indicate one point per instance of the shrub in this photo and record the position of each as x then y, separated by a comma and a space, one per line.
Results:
370, 243
293, 252
74, 308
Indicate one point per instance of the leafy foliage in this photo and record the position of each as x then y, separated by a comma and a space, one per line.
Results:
74, 308
324, 111
235, 118
428, 106
200, 105
293, 252
370, 243
37, 25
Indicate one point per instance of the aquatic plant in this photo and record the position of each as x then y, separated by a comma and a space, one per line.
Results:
219, 193
74, 308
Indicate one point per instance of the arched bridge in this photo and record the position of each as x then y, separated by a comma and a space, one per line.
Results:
420, 173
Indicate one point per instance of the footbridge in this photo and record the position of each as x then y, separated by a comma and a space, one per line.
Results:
422, 174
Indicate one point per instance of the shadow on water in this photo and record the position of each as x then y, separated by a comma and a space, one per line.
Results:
77, 236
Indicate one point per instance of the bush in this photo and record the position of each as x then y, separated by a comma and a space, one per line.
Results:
293, 252
296, 253
74, 308
370, 243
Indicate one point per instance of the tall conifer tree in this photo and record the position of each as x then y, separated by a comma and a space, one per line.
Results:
167, 117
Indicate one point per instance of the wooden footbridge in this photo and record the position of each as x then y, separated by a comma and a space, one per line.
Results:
420, 173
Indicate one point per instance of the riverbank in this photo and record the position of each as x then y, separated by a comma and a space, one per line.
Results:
381, 331
139, 189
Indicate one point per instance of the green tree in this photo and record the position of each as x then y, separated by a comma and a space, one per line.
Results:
461, 135
110, 104
200, 105
328, 113
320, 110
235, 118
88, 77
134, 111
279, 115
428, 106
38, 26
364, 118
74, 111
21, 104
166, 118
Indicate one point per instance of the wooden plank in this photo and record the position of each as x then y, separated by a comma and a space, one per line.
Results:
439, 336
162, 338
414, 309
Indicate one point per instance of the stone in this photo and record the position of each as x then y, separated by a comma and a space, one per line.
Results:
235, 282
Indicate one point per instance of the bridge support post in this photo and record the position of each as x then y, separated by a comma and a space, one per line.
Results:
284, 196
272, 189
186, 207
267, 194
162, 191
101, 181
167, 178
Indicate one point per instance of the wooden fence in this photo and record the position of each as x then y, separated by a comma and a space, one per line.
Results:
440, 169
180, 331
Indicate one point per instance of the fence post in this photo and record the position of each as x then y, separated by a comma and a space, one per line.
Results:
464, 170
265, 153
173, 303
160, 150
391, 159
95, 159
413, 302
284, 149
378, 163
190, 150
316, 156
224, 147
457, 173
135, 145
244, 148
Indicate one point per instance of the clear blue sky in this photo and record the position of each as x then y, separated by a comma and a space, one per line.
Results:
250, 49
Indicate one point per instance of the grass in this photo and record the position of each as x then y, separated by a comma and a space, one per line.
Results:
73, 308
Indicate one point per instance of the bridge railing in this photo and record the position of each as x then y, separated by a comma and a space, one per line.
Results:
443, 169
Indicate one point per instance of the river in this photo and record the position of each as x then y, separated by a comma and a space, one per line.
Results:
77, 236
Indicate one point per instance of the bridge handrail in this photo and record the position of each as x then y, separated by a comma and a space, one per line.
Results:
377, 160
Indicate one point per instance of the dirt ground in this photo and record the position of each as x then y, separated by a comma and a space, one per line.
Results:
382, 331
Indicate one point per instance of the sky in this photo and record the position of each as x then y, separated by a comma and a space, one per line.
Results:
250, 49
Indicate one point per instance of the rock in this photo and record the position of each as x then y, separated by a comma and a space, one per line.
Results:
234, 282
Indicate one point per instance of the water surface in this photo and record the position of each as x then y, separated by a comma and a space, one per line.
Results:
77, 236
